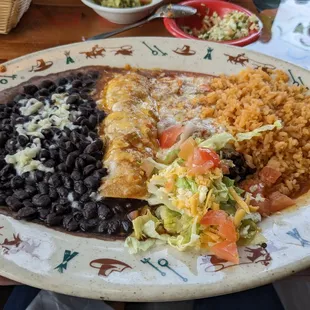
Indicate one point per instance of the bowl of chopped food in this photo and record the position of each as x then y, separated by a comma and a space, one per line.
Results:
218, 21
123, 11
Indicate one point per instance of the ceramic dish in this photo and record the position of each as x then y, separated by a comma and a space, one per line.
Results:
93, 268
123, 15
221, 8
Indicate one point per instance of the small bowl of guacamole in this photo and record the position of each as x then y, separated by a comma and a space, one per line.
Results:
123, 11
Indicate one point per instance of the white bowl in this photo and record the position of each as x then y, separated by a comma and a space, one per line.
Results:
123, 15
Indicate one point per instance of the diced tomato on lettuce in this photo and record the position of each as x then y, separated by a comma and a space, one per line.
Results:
227, 248
170, 136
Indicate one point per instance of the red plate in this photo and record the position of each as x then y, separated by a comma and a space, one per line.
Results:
195, 21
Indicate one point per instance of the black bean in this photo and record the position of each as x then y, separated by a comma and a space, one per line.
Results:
62, 167
79, 163
55, 180
44, 155
28, 203
54, 154
78, 216
47, 176
100, 173
73, 91
27, 213
43, 213
41, 200
31, 190
91, 148
88, 158
48, 134
67, 181
77, 84
43, 188
79, 187
76, 196
13, 203
53, 193
98, 155
63, 155
92, 182
54, 219
70, 160
103, 227
21, 194
85, 130
76, 175
38, 175
41, 93
22, 140
3, 196
70, 224
46, 84
61, 81
61, 209
17, 182
98, 164
50, 163
60, 89
6, 170
52, 89
104, 212
69, 147
113, 227
63, 201
90, 210
30, 89
11, 146
3, 138
85, 198
88, 170
88, 225
62, 192
82, 145
92, 121
126, 226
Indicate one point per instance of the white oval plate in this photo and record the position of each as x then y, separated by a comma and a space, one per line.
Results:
44, 258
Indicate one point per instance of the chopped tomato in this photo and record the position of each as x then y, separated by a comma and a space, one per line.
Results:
170, 136
187, 148
280, 201
269, 175
227, 230
202, 160
226, 250
214, 217
253, 186
264, 206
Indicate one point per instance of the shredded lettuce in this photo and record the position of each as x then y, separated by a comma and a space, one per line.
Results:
182, 229
187, 238
139, 224
220, 140
217, 141
257, 132
187, 183
135, 246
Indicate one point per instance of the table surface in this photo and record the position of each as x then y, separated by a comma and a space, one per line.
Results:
50, 23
